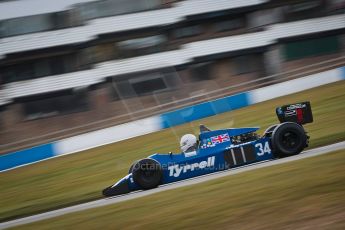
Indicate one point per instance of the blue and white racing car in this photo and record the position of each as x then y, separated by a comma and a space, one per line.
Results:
222, 149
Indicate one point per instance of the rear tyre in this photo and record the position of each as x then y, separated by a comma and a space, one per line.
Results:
288, 139
268, 132
147, 173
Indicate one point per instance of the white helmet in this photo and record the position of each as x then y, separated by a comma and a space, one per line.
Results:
188, 141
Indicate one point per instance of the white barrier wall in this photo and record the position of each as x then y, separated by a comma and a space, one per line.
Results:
108, 135
296, 85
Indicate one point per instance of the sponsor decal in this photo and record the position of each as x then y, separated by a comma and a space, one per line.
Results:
296, 106
213, 141
177, 170
295, 110
207, 143
290, 113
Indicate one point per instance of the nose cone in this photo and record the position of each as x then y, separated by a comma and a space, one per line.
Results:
121, 187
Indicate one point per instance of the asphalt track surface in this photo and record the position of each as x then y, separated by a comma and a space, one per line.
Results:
196, 180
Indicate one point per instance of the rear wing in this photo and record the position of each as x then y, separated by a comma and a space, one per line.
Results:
299, 113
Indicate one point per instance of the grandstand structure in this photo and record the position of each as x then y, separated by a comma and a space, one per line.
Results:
72, 66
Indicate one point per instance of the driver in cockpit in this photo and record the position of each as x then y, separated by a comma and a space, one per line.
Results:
188, 143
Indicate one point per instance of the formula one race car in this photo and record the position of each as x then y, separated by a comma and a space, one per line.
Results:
220, 150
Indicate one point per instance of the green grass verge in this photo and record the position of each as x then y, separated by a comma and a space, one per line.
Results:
81, 177
305, 194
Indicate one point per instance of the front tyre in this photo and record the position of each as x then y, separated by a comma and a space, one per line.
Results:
288, 139
147, 173
132, 166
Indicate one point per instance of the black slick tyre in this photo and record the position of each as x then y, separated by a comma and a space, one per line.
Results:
288, 139
147, 173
